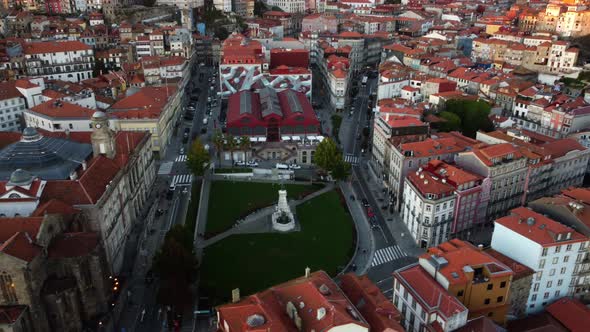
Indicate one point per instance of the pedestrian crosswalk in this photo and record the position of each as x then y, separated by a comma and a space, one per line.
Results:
180, 158
182, 179
351, 159
165, 168
388, 254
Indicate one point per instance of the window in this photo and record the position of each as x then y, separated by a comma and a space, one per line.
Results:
557, 293
568, 247
490, 286
549, 284
555, 260
546, 295
566, 258
7, 288
559, 282
541, 263
486, 301
563, 269
503, 284
460, 293
539, 275
558, 248
544, 252
500, 299
552, 272
536, 287
534, 298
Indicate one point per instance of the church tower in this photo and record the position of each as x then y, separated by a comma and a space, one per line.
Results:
103, 138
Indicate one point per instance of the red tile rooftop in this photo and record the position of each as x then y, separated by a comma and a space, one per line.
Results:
520, 270
61, 109
55, 47
427, 184
572, 313
428, 292
454, 175
538, 228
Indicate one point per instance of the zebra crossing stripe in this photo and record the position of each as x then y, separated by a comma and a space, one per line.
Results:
183, 179
388, 254
181, 158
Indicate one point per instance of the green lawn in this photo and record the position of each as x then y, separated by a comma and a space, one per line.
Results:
253, 262
229, 200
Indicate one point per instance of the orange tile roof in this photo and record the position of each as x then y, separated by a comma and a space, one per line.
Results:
55, 47
146, 103
454, 176
377, 310
21, 246
432, 147
308, 295
62, 109
426, 183
459, 254
572, 313
432, 296
520, 270
543, 230
401, 121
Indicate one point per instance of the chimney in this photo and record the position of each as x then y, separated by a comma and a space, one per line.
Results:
480, 247
386, 116
307, 272
235, 295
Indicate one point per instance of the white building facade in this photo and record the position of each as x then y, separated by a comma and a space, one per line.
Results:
71, 61
551, 249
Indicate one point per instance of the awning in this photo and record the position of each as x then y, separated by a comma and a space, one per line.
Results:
311, 138
261, 139
253, 139
320, 138
285, 138
296, 138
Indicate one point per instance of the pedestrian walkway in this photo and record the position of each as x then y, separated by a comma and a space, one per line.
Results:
388, 254
182, 179
181, 158
165, 168
354, 160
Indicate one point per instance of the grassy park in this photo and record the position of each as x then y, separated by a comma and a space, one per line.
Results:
253, 262
230, 200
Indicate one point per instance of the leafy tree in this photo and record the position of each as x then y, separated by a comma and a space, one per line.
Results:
453, 122
244, 145
259, 8
176, 264
230, 145
327, 155
218, 142
198, 158
341, 171
474, 115
221, 32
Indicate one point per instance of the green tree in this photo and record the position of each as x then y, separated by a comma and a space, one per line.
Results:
244, 145
176, 264
218, 142
198, 158
221, 32
341, 171
474, 115
230, 145
259, 8
453, 122
327, 155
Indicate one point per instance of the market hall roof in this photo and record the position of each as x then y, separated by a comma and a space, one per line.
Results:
47, 157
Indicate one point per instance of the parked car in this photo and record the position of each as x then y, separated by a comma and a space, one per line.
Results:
365, 202
294, 166
252, 163
282, 166
239, 163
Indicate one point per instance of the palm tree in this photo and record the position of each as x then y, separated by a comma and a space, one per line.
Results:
217, 141
244, 145
230, 145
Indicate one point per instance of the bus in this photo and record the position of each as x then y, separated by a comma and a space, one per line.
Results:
364, 81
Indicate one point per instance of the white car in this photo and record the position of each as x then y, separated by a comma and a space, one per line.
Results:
252, 163
282, 166
294, 166
239, 163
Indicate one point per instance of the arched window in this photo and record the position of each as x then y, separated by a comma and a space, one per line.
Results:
7, 288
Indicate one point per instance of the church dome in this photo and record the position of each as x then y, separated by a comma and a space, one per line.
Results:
20, 177
99, 115
30, 134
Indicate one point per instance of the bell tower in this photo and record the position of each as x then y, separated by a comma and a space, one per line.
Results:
103, 138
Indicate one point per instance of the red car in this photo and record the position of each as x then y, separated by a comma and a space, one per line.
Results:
370, 213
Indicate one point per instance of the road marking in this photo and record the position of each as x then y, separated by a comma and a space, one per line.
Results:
354, 160
182, 179
165, 168
388, 254
180, 158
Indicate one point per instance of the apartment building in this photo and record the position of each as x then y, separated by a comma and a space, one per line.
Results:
424, 303
571, 208
65, 60
478, 280
289, 6
12, 105
548, 247
505, 169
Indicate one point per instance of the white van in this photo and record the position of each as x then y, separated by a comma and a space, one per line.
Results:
282, 166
